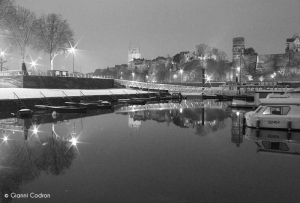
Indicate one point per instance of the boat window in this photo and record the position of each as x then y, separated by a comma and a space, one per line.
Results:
267, 110
258, 109
276, 110
275, 145
285, 110
280, 110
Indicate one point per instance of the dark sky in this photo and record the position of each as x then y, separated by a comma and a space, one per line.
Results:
163, 27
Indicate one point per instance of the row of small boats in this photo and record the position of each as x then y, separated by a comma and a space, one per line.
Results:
83, 105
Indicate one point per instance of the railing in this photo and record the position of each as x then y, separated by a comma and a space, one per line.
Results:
171, 88
224, 89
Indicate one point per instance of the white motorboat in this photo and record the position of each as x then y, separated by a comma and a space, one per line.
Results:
280, 112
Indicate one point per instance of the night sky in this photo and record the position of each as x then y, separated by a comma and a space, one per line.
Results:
104, 29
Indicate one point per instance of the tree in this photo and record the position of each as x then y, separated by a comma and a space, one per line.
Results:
20, 29
202, 49
249, 51
177, 58
54, 35
222, 56
6, 9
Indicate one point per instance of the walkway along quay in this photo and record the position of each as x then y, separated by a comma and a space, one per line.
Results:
231, 89
11, 99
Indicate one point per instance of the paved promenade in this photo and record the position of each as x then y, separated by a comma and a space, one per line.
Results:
25, 93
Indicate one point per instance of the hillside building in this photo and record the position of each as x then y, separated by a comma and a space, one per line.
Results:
134, 53
293, 44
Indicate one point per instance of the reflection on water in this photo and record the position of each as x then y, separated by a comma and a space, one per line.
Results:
271, 141
125, 164
23, 159
205, 117
31, 146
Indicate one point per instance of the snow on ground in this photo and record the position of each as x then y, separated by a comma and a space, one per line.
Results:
24, 93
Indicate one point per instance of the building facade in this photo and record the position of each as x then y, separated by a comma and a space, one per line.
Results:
134, 53
293, 44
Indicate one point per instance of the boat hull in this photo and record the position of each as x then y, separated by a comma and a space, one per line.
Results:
62, 109
273, 122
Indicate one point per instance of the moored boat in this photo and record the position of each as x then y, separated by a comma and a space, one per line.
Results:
279, 113
177, 95
91, 105
62, 109
135, 101
24, 112
241, 103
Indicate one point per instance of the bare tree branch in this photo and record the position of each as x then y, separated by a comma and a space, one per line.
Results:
54, 35
19, 26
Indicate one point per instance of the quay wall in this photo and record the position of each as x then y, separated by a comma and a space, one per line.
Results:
31, 81
34, 81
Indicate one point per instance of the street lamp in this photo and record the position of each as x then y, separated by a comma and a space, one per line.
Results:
72, 51
181, 71
273, 77
2, 59
133, 76
121, 75
202, 60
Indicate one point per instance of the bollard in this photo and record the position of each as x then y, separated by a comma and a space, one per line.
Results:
257, 123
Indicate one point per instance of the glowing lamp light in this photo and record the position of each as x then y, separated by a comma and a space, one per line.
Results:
5, 139
33, 63
238, 113
238, 68
208, 78
2, 53
181, 71
35, 130
74, 141
72, 50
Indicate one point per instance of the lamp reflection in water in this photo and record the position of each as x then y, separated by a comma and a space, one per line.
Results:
237, 127
5, 139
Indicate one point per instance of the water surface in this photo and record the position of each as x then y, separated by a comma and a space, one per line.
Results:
154, 155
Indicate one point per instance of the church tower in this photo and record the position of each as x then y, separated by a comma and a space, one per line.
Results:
237, 52
134, 53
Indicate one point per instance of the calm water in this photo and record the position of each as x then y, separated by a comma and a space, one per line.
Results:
161, 156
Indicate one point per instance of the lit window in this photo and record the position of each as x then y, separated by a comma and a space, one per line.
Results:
267, 111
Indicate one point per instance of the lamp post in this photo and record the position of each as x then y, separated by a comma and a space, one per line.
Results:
181, 71
170, 75
201, 60
72, 50
133, 76
2, 60
121, 75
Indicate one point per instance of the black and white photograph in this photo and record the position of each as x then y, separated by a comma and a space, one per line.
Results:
149, 101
